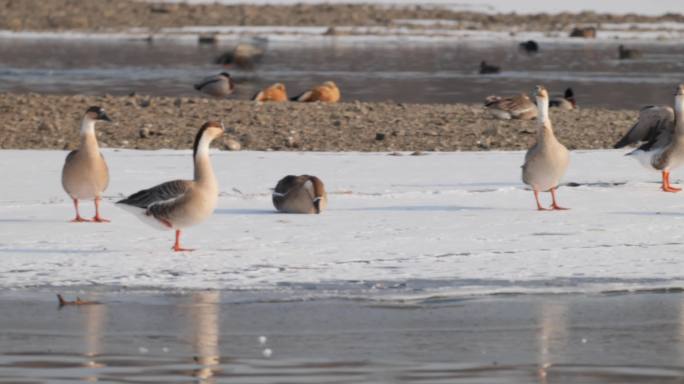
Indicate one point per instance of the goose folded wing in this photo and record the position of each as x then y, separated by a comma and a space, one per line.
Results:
159, 195
655, 122
207, 81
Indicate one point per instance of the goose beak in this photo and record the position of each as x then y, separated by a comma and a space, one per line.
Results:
317, 205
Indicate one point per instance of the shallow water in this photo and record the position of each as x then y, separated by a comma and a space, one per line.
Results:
212, 337
402, 71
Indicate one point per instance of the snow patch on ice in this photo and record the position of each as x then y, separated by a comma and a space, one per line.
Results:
426, 226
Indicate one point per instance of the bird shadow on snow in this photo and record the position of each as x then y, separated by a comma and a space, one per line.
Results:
52, 251
417, 208
30, 221
241, 211
654, 213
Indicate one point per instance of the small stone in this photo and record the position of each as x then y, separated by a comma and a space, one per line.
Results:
178, 102
379, 136
267, 352
262, 340
491, 131
292, 142
144, 132
144, 103
418, 153
44, 126
233, 145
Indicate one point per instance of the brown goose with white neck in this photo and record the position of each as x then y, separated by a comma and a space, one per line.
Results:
547, 160
179, 204
85, 174
661, 130
300, 194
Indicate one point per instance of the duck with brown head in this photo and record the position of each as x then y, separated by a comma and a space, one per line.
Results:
179, 204
85, 174
300, 194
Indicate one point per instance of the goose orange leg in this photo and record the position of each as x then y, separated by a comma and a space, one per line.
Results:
177, 247
554, 204
666, 183
536, 198
78, 218
97, 217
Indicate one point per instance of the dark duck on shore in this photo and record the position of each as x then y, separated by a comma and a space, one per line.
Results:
488, 69
567, 101
529, 46
626, 54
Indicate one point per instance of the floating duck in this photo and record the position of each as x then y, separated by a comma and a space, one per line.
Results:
275, 92
300, 194
661, 130
627, 54
547, 160
326, 93
567, 101
218, 86
179, 204
85, 174
587, 32
514, 107
529, 46
244, 56
488, 69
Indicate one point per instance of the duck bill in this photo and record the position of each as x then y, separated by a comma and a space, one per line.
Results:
104, 116
317, 205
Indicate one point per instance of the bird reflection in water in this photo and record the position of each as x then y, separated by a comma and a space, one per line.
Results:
552, 333
203, 332
94, 320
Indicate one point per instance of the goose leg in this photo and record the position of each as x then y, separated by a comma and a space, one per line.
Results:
536, 198
666, 183
97, 217
554, 204
78, 218
177, 247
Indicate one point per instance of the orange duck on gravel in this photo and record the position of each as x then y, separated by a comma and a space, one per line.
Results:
275, 92
326, 93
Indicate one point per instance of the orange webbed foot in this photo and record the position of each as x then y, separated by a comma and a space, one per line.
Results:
79, 219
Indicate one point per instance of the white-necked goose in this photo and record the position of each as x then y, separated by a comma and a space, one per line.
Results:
547, 161
85, 174
180, 204
662, 132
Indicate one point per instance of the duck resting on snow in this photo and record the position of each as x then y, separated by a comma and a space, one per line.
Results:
300, 194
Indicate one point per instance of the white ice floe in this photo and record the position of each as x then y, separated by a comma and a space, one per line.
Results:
445, 223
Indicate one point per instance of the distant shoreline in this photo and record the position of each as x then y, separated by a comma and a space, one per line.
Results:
102, 16
32, 121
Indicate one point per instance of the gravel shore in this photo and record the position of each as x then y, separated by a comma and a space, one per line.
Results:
32, 121
105, 15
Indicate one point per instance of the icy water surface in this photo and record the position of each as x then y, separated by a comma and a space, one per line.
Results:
218, 337
402, 71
